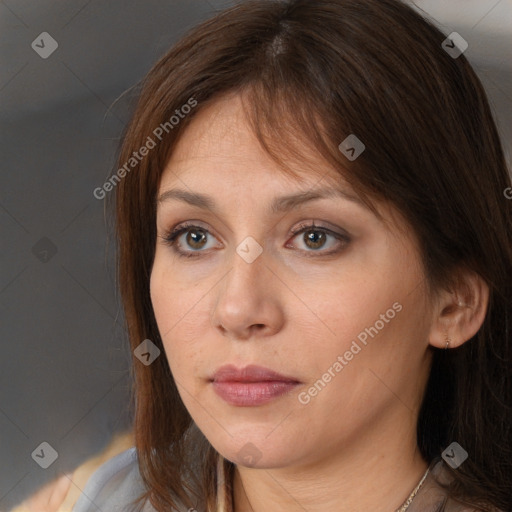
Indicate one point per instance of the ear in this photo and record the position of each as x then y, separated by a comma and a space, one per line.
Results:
458, 314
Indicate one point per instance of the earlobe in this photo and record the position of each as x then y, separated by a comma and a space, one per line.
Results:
459, 314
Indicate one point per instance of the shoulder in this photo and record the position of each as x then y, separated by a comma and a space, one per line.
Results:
113, 485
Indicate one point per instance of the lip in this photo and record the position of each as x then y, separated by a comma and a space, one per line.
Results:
250, 373
250, 386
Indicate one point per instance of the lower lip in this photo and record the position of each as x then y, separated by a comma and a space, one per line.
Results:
251, 393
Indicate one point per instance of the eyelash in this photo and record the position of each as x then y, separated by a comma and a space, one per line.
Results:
170, 238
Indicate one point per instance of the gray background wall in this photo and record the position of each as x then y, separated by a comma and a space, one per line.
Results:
64, 357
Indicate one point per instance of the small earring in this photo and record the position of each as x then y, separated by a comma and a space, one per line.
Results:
447, 342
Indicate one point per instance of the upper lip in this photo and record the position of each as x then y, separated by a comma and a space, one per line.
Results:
250, 373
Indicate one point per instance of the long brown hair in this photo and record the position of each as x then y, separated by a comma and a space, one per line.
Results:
322, 70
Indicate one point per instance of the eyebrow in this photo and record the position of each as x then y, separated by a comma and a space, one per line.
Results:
278, 205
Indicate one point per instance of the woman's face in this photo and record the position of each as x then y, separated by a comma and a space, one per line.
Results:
338, 310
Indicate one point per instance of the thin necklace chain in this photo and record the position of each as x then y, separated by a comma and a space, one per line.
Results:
403, 508
408, 501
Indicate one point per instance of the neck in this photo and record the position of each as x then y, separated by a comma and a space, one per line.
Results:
356, 479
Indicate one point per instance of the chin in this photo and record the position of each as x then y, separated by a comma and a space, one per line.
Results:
257, 452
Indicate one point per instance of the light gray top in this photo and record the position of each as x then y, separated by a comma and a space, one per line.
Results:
113, 485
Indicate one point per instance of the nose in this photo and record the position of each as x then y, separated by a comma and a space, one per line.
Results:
249, 300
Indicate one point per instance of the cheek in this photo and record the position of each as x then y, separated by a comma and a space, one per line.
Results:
172, 299
368, 325
179, 312
343, 311
163, 300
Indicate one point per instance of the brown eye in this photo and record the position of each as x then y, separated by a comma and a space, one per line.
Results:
319, 239
314, 238
189, 240
196, 238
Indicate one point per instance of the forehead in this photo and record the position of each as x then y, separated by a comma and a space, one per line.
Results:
219, 143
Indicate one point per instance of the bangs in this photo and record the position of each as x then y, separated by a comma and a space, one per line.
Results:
290, 127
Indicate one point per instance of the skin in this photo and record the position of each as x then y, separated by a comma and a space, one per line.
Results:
50, 497
353, 446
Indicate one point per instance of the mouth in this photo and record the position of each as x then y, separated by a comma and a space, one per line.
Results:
250, 386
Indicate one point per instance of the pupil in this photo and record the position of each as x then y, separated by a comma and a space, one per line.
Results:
317, 239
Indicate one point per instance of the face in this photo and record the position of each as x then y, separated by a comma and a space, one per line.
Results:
337, 309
